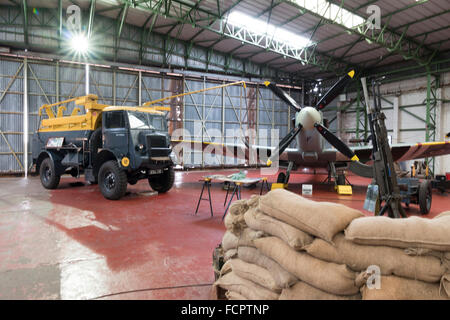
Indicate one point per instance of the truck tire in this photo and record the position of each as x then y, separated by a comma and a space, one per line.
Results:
95, 143
112, 180
49, 178
162, 182
425, 197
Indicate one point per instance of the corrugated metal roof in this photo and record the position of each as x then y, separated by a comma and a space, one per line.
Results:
332, 39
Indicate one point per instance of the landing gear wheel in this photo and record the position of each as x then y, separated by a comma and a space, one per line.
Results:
112, 180
49, 178
425, 197
162, 182
281, 178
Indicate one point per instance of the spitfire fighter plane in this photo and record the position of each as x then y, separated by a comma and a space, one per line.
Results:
309, 129
310, 134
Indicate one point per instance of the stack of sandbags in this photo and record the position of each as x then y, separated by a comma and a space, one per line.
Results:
412, 255
283, 246
264, 249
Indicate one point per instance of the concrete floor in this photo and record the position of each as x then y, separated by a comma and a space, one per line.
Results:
71, 243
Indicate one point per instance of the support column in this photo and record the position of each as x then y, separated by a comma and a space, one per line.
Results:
395, 120
140, 88
25, 116
86, 89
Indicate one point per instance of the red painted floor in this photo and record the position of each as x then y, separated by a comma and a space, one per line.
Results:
71, 243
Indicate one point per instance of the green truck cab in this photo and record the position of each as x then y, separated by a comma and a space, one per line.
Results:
111, 146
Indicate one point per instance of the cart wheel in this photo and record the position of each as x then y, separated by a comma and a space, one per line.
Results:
281, 177
425, 197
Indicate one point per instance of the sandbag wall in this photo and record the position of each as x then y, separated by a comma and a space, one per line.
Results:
283, 246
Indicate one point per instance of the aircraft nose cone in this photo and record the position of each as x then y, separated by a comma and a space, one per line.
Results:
307, 117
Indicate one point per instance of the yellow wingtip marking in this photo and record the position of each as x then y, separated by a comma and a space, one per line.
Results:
351, 73
355, 158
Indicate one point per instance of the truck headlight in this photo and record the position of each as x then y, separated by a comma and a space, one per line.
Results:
140, 147
173, 157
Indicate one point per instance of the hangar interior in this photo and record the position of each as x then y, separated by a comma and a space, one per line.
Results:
72, 243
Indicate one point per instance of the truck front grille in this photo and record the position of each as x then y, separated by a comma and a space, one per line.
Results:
157, 146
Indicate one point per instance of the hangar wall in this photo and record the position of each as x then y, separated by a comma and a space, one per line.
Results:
405, 106
215, 111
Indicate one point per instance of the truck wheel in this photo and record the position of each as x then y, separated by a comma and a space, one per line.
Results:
162, 182
95, 143
49, 178
425, 197
112, 180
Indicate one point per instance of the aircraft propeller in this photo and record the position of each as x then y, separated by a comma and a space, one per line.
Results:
309, 117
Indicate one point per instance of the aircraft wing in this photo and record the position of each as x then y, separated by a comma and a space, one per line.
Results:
403, 152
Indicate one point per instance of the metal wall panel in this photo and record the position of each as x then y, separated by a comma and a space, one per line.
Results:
11, 116
215, 112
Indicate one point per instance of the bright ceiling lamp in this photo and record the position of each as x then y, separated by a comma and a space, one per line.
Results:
79, 43
262, 28
331, 12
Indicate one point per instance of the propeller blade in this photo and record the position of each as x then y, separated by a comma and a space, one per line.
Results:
335, 90
336, 142
284, 143
283, 95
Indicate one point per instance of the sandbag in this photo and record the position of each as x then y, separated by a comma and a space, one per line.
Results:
244, 287
327, 276
234, 220
231, 241
283, 279
303, 291
412, 232
229, 254
443, 256
231, 295
252, 272
257, 220
321, 219
396, 288
253, 202
390, 260
445, 285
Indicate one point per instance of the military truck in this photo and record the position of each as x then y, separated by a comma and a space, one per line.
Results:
110, 145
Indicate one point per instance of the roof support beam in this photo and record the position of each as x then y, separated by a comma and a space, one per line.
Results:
91, 18
25, 21
304, 55
385, 37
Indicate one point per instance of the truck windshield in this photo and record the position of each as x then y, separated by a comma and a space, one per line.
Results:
144, 120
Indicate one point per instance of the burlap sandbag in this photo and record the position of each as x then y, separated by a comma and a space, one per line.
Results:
246, 288
412, 232
441, 255
283, 279
230, 254
253, 202
327, 276
231, 295
234, 220
390, 260
321, 219
445, 285
396, 288
303, 291
231, 241
252, 272
257, 220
